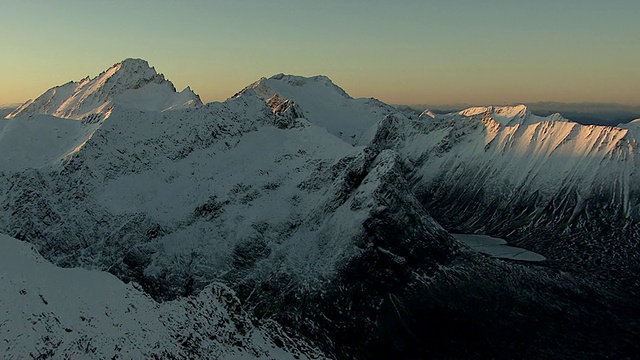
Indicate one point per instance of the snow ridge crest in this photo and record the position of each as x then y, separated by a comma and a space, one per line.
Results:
503, 115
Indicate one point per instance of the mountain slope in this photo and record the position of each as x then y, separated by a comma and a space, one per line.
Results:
43, 132
49, 312
274, 207
132, 83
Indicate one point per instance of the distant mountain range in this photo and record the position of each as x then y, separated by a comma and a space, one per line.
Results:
294, 221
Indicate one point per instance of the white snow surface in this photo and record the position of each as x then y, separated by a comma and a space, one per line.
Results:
496, 247
131, 83
324, 104
51, 312
633, 125
40, 140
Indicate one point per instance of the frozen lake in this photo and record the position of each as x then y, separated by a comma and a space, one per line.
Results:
497, 247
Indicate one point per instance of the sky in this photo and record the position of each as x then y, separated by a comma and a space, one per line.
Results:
401, 52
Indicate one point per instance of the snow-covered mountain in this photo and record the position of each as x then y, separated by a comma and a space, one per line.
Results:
44, 132
322, 103
132, 83
633, 125
265, 196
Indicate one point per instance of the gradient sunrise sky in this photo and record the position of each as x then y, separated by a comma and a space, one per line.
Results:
405, 51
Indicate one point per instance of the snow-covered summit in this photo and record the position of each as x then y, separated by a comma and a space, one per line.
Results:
264, 87
131, 83
322, 103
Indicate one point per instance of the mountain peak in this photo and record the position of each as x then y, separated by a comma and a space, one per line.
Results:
130, 63
132, 83
131, 74
137, 68
137, 62
300, 81
285, 84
